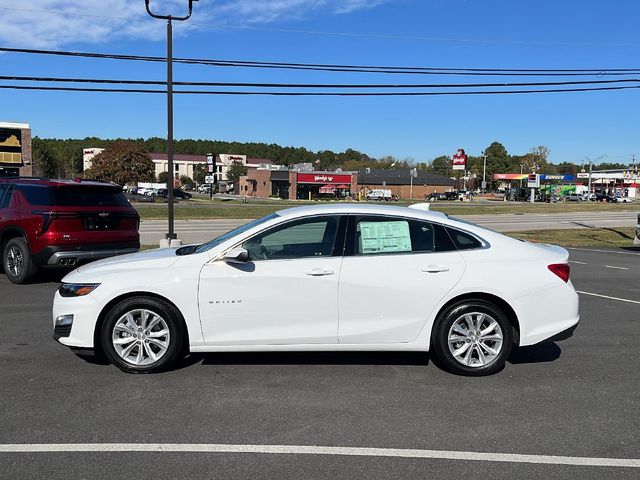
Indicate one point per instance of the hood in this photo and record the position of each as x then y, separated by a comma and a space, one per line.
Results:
157, 258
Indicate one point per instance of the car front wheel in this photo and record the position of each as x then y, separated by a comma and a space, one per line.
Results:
143, 335
473, 338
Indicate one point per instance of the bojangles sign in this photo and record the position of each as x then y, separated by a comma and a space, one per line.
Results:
10, 147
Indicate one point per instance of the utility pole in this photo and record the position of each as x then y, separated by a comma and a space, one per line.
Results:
484, 173
170, 236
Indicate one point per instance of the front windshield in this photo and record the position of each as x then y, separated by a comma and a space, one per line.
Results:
236, 231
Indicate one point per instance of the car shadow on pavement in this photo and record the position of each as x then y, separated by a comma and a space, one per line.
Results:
315, 358
49, 275
541, 353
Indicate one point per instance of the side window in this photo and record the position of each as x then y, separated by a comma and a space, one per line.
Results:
6, 192
463, 240
387, 235
312, 237
36, 195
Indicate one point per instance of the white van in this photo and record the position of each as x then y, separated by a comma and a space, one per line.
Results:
379, 194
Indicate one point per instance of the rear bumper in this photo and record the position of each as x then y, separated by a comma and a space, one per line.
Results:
547, 314
69, 257
563, 335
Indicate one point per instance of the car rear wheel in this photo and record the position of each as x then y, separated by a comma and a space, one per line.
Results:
473, 338
17, 262
143, 335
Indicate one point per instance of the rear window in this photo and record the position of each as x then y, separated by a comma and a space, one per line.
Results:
463, 240
74, 196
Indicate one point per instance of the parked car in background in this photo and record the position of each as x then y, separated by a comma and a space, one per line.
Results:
205, 188
379, 194
62, 223
386, 278
437, 196
621, 199
177, 193
574, 197
602, 197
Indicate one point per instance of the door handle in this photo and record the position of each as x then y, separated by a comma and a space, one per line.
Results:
318, 272
435, 268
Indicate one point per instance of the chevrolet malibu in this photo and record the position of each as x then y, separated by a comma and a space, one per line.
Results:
325, 278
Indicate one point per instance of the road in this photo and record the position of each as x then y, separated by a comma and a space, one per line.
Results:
198, 231
577, 399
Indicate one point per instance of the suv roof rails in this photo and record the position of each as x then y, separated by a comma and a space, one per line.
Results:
23, 178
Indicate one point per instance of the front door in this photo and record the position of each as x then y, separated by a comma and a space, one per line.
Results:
286, 294
395, 271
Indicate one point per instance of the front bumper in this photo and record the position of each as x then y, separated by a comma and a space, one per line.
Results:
85, 311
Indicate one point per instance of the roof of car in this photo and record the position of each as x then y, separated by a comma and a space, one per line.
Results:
361, 208
49, 182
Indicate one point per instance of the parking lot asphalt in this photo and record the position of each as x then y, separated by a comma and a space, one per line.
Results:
577, 398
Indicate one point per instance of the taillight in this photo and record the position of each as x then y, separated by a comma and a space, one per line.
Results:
47, 218
562, 270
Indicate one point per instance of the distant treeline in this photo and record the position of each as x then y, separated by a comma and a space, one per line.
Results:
63, 157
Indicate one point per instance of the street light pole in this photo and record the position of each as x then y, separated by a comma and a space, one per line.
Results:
590, 171
170, 180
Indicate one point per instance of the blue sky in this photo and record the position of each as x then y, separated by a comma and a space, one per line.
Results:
441, 33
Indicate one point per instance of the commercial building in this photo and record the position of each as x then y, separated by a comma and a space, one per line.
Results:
297, 183
402, 184
184, 164
15, 150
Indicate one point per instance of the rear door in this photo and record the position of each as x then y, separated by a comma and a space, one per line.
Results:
395, 271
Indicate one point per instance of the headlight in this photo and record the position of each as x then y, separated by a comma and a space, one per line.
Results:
77, 289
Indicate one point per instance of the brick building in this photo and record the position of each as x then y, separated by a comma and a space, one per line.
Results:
294, 184
15, 150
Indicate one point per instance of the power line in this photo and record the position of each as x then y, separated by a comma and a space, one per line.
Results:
311, 85
379, 36
319, 94
339, 68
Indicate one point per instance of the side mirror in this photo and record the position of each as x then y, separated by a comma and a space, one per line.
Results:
236, 255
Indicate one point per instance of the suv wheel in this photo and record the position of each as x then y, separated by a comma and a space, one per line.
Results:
17, 262
473, 338
143, 335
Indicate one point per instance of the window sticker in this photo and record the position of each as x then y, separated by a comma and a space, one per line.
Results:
385, 237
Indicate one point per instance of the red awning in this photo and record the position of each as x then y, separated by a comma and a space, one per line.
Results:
343, 187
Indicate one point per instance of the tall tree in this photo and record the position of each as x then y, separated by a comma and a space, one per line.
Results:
441, 165
235, 171
122, 163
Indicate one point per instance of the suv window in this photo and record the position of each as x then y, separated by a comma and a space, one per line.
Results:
74, 196
309, 237
6, 191
380, 235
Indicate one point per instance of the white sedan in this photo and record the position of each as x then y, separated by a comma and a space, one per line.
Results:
325, 278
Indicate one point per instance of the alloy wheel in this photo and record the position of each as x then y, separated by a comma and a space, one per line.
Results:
141, 337
15, 261
475, 339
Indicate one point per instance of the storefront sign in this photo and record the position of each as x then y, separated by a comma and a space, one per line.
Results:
460, 160
509, 176
10, 147
323, 178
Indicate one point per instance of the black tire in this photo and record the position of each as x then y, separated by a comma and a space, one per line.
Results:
17, 262
443, 327
174, 323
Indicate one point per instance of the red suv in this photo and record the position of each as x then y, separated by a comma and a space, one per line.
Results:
62, 223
